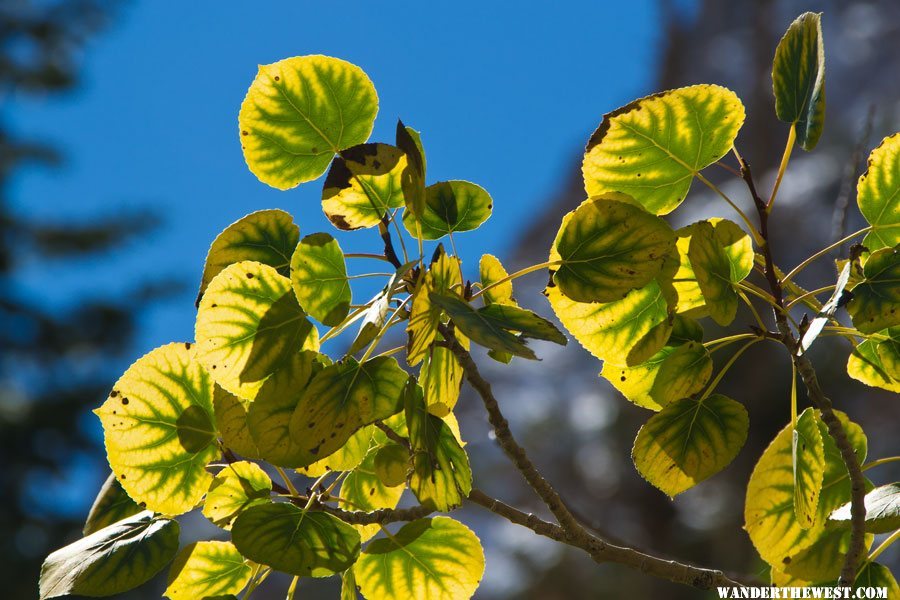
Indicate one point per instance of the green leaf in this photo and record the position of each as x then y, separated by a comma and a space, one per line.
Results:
609, 248
721, 255
808, 460
363, 490
299, 112
874, 575
769, 515
364, 182
429, 559
391, 464
491, 271
158, 429
341, 399
441, 477
319, 278
865, 364
689, 441
231, 421
798, 79
442, 278
876, 300
673, 373
877, 192
112, 560
235, 488
889, 352
345, 458
207, 570
265, 236
110, 506
292, 540
651, 148
625, 332
248, 326
441, 378
450, 206
483, 329
882, 509
413, 176
348, 585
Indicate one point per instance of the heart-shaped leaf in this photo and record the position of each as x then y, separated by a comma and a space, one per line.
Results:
363, 184
866, 365
721, 255
491, 271
319, 278
450, 206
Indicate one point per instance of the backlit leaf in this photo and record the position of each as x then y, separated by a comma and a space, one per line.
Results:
110, 506
442, 278
207, 570
429, 559
798, 79
441, 378
345, 458
319, 279
491, 271
889, 352
299, 112
828, 309
721, 255
689, 441
236, 487
231, 421
249, 325
159, 431
651, 148
874, 575
391, 464
877, 192
363, 490
413, 176
865, 364
450, 206
292, 540
364, 182
876, 301
809, 467
479, 328
882, 509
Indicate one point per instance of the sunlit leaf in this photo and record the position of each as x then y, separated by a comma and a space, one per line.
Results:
236, 487
889, 352
882, 509
491, 271
265, 236
363, 490
207, 570
442, 278
798, 78
348, 585
111, 560
345, 458
808, 461
299, 112
364, 182
429, 559
877, 192
391, 464
651, 148
689, 441
481, 328
231, 421
341, 399
721, 255
110, 506
319, 279
248, 326
821, 562
441, 378
874, 575
609, 248
450, 206
292, 540
159, 431
413, 176
865, 365
876, 301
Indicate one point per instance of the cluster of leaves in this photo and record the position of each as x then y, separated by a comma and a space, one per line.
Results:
206, 424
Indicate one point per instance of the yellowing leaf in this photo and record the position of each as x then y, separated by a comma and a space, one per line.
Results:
874, 575
319, 278
808, 461
158, 429
450, 206
429, 559
651, 148
265, 236
889, 352
236, 487
248, 326
364, 182
345, 458
721, 255
443, 277
689, 441
865, 365
341, 399
798, 78
412, 178
491, 272
207, 569
391, 464
876, 300
299, 112
877, 194
441, 378
609, 248
363, 490
231, 421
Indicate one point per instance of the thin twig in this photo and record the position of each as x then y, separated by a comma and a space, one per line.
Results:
851, 171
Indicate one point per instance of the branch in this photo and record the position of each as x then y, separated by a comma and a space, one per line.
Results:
807, 373
389, 251
382, 516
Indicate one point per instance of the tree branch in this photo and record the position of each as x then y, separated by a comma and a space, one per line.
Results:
382, 516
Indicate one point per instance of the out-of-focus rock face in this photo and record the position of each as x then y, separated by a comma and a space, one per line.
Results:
580, 430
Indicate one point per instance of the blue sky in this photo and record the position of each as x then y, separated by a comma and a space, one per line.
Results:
505, 95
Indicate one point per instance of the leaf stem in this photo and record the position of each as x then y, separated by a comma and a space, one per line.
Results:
287, 481
884, 545
752, 308
366, 255
823, 252
517, 274
728, 365
785, 158
753, 231
879, 462
806, 295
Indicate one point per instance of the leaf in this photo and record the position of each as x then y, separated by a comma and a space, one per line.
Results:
769, 514
882, 509
292, 540
877, 192
319, 278
341, 399
865, 365
689, 299
110, 506
819, 563
625, 332
391, 464
450, 206
111, 560
828, 309
236, 487
413, 176
248, 326
442, 278
441, 378
651, 148
481, 329
673, 373
207, 570
364, 182
874, 575
299, 112
231, 421
876, 301
889, 352
363, 490
808, 461
721, 255
158, 429
265, 236
348, 585
491, 271
429, 559
609, 248
345, 458
798, 79
689, 441
441, 476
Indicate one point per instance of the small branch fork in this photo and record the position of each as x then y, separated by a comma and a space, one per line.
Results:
807, 373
